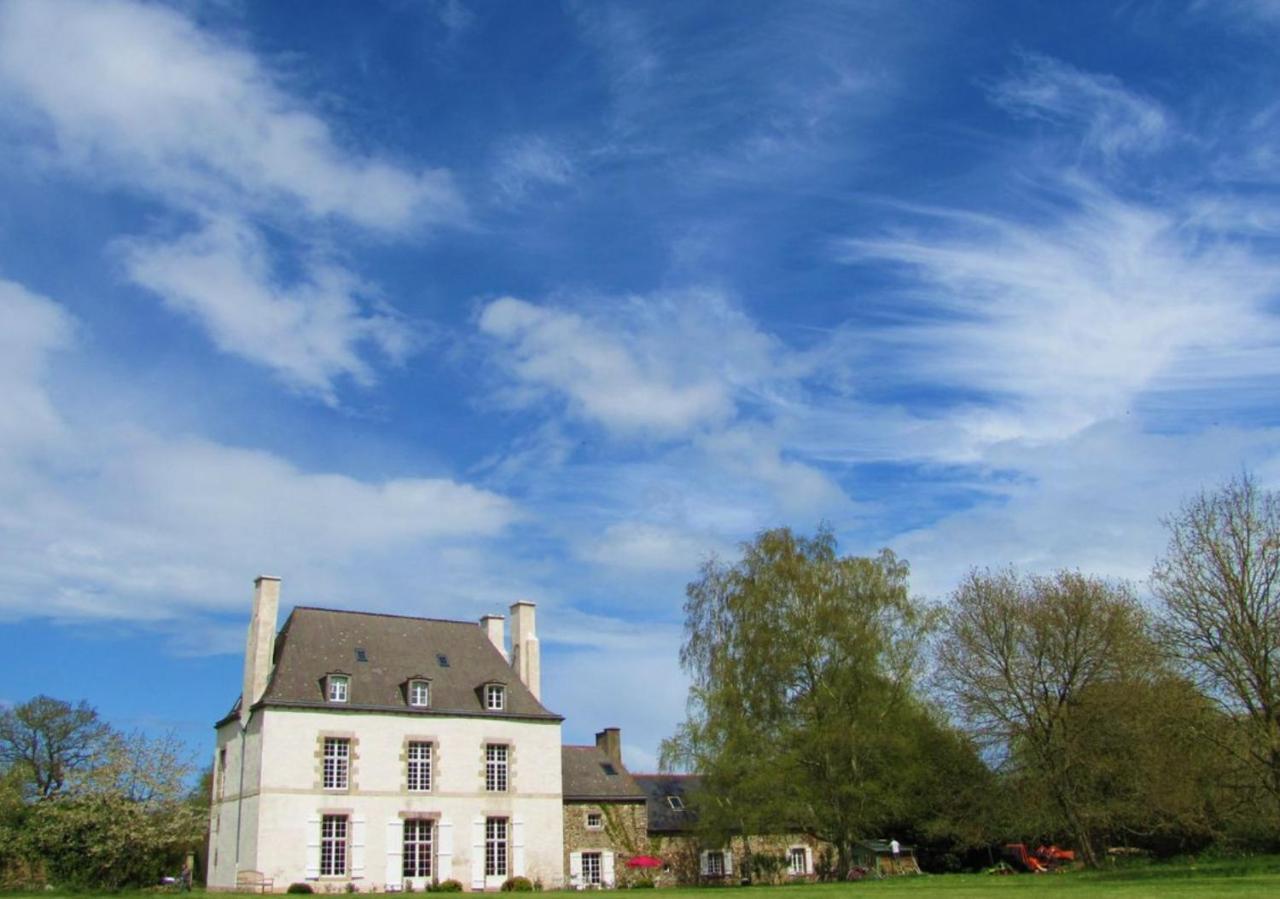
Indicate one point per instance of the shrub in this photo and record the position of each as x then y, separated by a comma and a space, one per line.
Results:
299, 888
448, 886
517, 885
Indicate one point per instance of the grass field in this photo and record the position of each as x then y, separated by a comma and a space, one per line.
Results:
1229, 877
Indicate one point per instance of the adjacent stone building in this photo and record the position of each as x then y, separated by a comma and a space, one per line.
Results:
605, 816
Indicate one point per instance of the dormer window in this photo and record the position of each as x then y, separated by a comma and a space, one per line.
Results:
336, 687
419, 694
495, 697
676, 803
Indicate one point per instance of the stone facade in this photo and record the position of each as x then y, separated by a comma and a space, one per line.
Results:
622, 832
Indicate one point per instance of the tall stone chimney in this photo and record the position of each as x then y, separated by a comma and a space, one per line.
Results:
525, 658
261, 643
495, 628
609, 741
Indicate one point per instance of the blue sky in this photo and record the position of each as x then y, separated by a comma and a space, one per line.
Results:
430, 307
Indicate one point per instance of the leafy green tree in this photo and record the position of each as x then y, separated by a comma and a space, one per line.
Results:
50, 742
1219, 581
801, 712
1061, 680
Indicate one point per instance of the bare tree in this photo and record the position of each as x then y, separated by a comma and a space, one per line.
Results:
1220, 584
1023, 660
51, 742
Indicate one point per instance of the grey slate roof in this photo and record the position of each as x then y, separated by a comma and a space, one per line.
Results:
585, 777
662, 817
317, 642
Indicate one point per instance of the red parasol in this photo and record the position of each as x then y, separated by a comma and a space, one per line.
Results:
644, 861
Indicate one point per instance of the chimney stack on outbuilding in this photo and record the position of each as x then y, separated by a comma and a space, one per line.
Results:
495, 628
261, 643
525, 656
609, 741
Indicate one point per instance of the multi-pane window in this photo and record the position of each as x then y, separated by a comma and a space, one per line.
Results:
333, 846
799, 860
595, 821
419, 693
495, 697
591, 868
715, 863
495, 847
337, 762
338, 687
419, 766
495, 768
417, 847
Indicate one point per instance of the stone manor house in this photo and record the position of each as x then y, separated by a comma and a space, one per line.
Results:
383, 752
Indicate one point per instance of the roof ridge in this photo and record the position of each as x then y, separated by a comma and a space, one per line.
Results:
660, 774
387, 615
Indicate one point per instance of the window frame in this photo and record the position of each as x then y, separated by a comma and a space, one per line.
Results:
335, 847
419, 834
495, 697
425, 686
675, 803
800, 853
599, 823
497, 848
497, 768
336, 763
335, 684
593, 858
418, 760
715, 863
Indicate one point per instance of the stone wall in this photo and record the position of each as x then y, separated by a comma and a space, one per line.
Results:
623, 831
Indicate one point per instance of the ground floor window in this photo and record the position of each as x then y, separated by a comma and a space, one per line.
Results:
495, 847
715, 863
591, 868
333, 846
799, 859
417, 847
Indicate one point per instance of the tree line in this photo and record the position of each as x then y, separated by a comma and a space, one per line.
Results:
1059, 707
84, 805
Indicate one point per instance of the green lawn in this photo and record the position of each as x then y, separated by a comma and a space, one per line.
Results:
1248, 877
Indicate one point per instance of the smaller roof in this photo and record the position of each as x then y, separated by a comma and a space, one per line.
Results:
586, 776
658, 788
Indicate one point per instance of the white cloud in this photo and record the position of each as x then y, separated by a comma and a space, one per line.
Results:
132, 523
524, 164
658, 366
1064, 322
1114, 120
33, 328
1092, 502
138, 93
642, 546
310, 332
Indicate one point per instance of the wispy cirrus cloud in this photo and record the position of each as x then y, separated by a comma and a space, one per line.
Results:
311, 331
1109, 118
1066, 320
138, 93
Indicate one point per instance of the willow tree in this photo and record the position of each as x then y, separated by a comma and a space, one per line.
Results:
801, 714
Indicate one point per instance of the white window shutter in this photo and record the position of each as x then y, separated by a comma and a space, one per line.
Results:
444, 849
357, 846
728, 862
477, 853
395, 847
704, 863
808, 860
313, 848
606, 868
575, 869
517, 847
